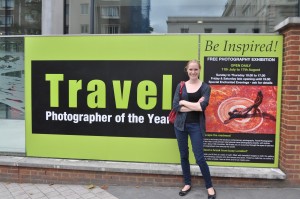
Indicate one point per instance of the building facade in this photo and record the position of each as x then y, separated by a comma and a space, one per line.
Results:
20, 17
239, 16
107, 17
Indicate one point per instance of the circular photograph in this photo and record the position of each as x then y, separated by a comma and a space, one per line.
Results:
237, 114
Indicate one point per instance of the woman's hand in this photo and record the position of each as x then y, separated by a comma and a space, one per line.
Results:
201, 99
183, 107
182, 102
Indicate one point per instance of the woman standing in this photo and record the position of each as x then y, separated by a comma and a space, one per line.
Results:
190, 121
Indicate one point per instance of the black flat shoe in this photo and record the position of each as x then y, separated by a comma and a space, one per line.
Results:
183, 193
213, 196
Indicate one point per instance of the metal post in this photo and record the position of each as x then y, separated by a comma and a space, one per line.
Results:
64, 17
6, 17
298, 8
92, 17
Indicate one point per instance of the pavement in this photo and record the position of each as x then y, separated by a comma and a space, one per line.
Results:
57, 191
127, 192
68, 191
51, 191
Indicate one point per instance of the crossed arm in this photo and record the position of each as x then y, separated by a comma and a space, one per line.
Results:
187, 106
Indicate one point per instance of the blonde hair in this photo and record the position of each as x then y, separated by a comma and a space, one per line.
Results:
192, 61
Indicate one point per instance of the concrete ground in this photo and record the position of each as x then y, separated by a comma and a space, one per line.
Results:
51, 191
130, 192
56, 191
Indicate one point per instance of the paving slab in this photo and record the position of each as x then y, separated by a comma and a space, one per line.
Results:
51, 191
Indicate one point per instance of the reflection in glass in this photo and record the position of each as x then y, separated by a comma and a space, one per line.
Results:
108, 16
20, 17
11, 78
176, 16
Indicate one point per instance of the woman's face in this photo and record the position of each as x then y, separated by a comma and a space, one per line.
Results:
193, 70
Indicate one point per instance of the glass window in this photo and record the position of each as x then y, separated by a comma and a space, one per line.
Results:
170, 16
231, 30
6, 20
20, 17
9, 4
16, 18
184, 29
208, 30
84, 28
111, 29
110, 12
12, 106
255, 30
84, 9
11, 78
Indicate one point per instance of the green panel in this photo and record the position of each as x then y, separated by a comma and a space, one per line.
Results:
150, 47
138, 47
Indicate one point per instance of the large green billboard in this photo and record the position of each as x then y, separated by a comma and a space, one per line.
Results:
104, 97
108, 97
